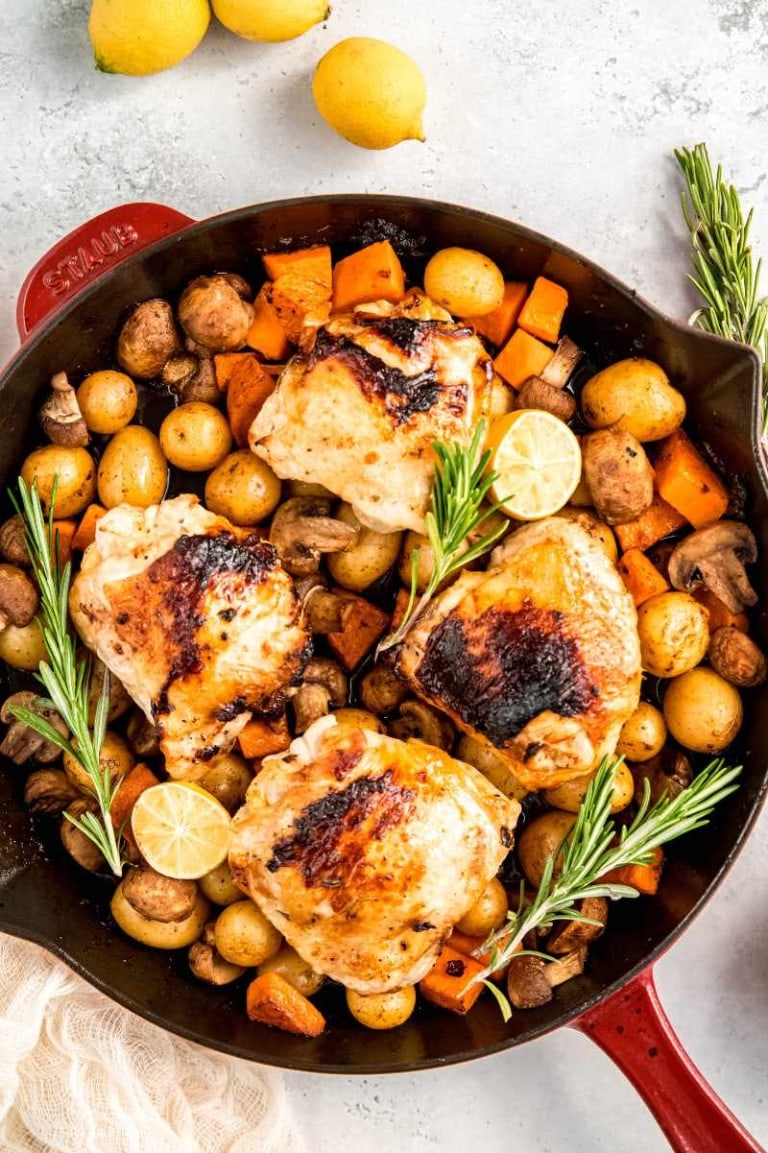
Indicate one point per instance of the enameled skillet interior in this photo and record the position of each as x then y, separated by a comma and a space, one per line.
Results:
46, 897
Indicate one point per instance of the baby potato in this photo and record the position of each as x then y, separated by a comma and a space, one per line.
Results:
244, 936
243, 488
488, 762
293, 969
372, 556
703, 711
133, 469
359, 718
219, 887
227, 779
600, 532
21, 646
618, 474
307, 488
195, 436
74, 471
159, 934
635, 396
465, 282
643, 735
116, 755
541, 840
488, 911
107, 401
674, 633
382, 1010
413, 541
568, 796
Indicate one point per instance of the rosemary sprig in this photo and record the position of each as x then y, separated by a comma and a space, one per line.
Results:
726, 274
460, 486
67, 678
595, 846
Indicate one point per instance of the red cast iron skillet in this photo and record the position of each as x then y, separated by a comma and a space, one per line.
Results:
70, 309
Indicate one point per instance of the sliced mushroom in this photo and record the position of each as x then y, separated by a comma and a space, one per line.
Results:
192, 378
49, 791
13, 544
302, 529
22, 743
324, 671
667, 774
571, 965
325, 612
715, 557
80, 848
310, 702
418, 721
537, 393
208, 965
381, 690
561, 367
527, 984
159, 898
737, 658
60, 416
570, 935
19, 599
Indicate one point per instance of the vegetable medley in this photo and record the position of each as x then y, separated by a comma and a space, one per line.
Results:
634, 496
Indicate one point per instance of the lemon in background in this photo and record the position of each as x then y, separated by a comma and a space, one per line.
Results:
370, 92
270, 20
137, 37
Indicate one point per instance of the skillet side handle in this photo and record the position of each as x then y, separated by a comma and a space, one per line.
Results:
83, 255
635, 1032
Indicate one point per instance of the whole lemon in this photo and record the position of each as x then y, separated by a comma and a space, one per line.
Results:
137, 37
370, 92
271, 20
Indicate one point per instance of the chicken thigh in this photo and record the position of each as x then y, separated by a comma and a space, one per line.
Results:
364, 850
201, 627
538, 658
359, 411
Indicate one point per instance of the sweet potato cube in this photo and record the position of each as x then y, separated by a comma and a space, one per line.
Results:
446, 982
272, 1001
640, 575
686, 481
311, 263
372, 273
644, 878
521, 357
261, 738
266, 333
85, 532
248, 388
542, 314
658, 521
296, 300
497, 326
364, 625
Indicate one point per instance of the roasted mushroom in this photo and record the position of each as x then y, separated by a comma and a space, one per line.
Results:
49, 791
21, 743
736, 657
19, 599
239, 283
214, 314
159, 898
618, 473
570, 935
13, 544
324, 611
148, 339
537, 393
381, 690
191, 378
715, 557
302, 529
80, 848
667, 774
562, 366
419, 722
324, 671
60, 415
142, 736
208, 965
527, 984
310, 702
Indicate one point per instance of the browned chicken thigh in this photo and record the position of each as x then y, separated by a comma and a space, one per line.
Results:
201, 627
538, 657
364, 850
359, 411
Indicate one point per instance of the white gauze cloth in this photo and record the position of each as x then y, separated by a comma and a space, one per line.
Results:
79, 1074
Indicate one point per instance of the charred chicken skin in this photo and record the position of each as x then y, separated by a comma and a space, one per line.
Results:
358, 411
538, 657
364, 850
201, 627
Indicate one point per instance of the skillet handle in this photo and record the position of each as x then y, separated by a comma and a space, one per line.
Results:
92, 249
635, 1032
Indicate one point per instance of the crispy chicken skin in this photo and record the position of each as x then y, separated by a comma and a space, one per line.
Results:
201, 627
359, 410
364, 850
538, 657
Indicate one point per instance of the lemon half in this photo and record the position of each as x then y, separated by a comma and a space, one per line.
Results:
181, 830
538, 460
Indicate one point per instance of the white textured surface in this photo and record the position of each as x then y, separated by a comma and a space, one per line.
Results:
562, 115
